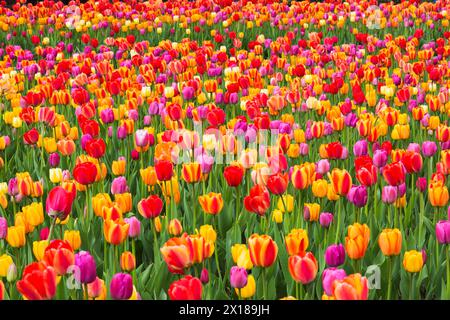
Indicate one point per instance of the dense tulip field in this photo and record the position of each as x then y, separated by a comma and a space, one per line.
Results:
224, 150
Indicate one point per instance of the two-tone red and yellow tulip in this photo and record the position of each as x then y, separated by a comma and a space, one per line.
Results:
115, 232
211, 203
341, 181
297, 242
352, 287
303, 268
263, 250
177, 254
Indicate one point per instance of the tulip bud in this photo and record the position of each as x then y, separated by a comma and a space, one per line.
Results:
204, 276
325, 219
127, 261
11, 275
54, 159
421, 184
43, 235
3, 228
175, 227
135, 227
335, 255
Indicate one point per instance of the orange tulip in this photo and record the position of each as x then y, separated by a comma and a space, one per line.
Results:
211, 203
297, 242
303, 268
357, 241
390, 242
115, 232
341, 181
263, 250
177, 254
352, 287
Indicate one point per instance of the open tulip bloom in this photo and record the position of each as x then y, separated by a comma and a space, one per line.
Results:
251, 149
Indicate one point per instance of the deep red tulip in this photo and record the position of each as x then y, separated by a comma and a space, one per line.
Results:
150, 207
31, 137
85, 173
164, 170
187, 288
277, 183
258, 201
394, 173
233, 175
96, 148
59, 254
59, 203
38, 282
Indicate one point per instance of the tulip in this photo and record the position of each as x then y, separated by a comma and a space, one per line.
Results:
175, 227
311, 211
121, 287
263, 250
39, 249
303, 268
394, 173
127, 261
277, 183
59, 203
238, 277
59, 255
413, 261
73, 238
164, 170
357, 241
241, 256
329, 275
204, 276
390, 242
85, 173
429, 148
211, 203
3, 228
335, 255
320, 188
358, 196
438, 194
187, 288
16, 236
5, 262
341, 181
191, 172
443, 232
177, 254
38, 282
325, 219
115, 232
200, 248
150, 207
87, 267
135, 227
352, 287
389, 194
258, 201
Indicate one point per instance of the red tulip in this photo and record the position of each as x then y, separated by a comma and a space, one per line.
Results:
303, 268
85, 173
277, 183
412, 161
38, 282
233, 175
31, 137
150, 207
90, 127
96, 148
164, 170
59, 255
258, 201
59, 203
334, 150
394, 173
187, 288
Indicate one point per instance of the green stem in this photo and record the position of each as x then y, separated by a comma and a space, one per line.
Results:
389, 261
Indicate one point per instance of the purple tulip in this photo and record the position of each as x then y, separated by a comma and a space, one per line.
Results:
87, 266
119, 185
238, 277
443, 232
121, 287
54, 159
329, 275
358, 196
335, 255
380, 158
107, 115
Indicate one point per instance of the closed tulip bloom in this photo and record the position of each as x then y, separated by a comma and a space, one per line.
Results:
59, 203
187, 288
119, 166
85, 173
277, 183
38, 282
429, 148
135, 227
389, 194
127, 261
16, 236
357, 241
352, 287
394, 173
150, 207
258, 201
358, 196
341, 181
241, 256
5, 262
191, 172
249, 290
303, 268
380, 158
211, 203
119, 185
121, 287
320, 188
335, 255
204, 276
438, 194
263, 250
97, 289
164, 170
177, 254
329, 275
201, 248
443, 232
175, 227
149, 176
297, 242
234, 174
413, 261
73, 238
59, 255
115, 232
238, 277
412, 161
300, 177
55, 175
323, 166
207, 231
421, 184
87, 267
390, 242
325, 219
141, 138
3, 228
360, 148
